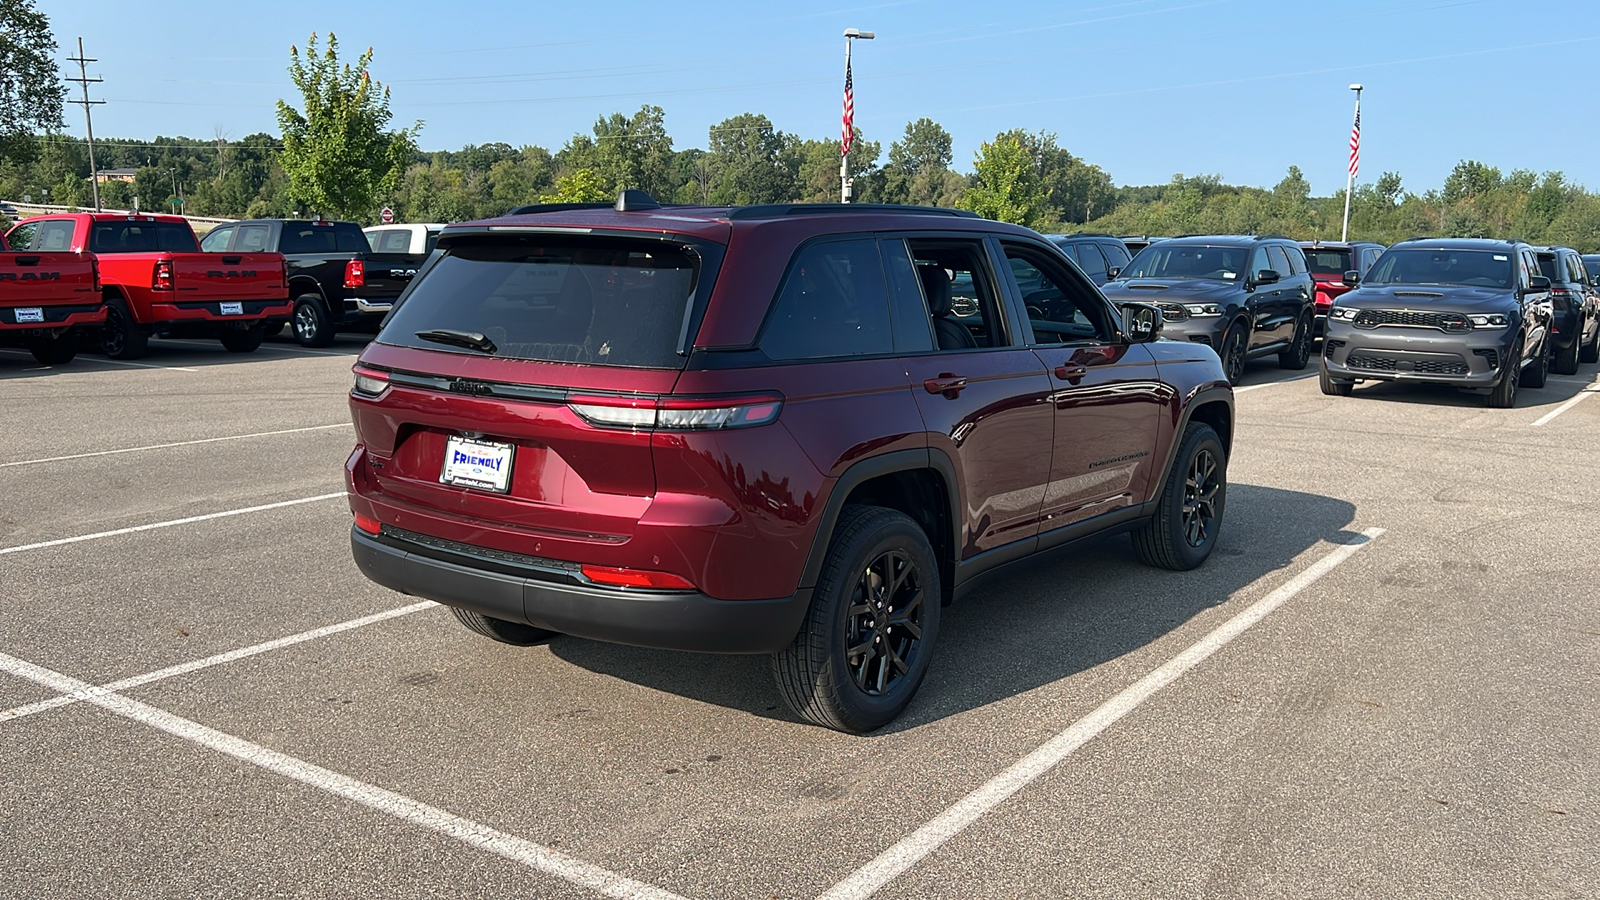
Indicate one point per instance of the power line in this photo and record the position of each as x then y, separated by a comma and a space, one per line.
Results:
84, 81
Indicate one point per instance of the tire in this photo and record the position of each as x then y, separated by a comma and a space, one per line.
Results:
120, 336
1334, 387
1232, 352
505, 632
1504, 394
1298, 356
1188, 516
55, 351
312, 327
1566, 361
243, 341
271, 329
1535, 373
818, 677
1591, 350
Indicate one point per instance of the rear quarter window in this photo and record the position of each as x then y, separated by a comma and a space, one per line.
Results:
833, 303
594, 300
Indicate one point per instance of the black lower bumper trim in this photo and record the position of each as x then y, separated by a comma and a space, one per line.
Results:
676, 620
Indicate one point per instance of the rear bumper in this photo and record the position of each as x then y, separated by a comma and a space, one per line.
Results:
670, 620
24, 316
1414, 354
211, 310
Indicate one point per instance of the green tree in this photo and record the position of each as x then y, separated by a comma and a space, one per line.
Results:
31, 90
753, 162
1007, 186
818, 173
578, 186
339, 158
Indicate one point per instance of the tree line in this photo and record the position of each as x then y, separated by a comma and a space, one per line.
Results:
336, 155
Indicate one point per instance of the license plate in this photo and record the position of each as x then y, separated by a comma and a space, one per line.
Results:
29, 314
485, 465
232, 309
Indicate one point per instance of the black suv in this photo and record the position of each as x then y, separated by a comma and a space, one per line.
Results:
1462, 311
1575, 305
1243, 296
1100, 256
762, 430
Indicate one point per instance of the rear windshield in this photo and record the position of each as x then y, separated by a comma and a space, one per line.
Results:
1479, 268
1328, 263
603, 301
142, 237
1170, 259
323, 237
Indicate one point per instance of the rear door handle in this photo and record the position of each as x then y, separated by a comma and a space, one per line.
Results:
946, 384
1072, 373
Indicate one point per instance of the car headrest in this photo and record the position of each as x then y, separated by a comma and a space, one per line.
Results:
936, 286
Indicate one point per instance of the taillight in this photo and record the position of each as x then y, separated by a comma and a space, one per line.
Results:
355, 273
370, 382
283, 272
163, 277
634, 578
368, 524
677, 413
94, 267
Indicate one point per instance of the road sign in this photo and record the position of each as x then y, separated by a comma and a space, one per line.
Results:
386, 216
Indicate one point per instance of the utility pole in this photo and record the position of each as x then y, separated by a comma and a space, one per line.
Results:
84, 81
1355, 163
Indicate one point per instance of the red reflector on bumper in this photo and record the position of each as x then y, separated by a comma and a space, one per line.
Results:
638, 578
368, 524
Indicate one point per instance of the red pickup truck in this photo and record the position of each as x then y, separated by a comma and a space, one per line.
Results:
157, 282
47, 300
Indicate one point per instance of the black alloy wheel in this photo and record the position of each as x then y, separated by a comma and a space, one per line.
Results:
1188, 517
1200, 490
1504, 393
1537, 371
1298, 354
1591, 350
120, 337
1566, 360
1233, 350
883, 634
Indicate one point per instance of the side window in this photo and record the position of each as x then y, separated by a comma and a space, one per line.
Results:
216, 240
1582, 270
833, 303
913, 330
1574, 269
1368, 257
1258, 262
393, 242
1297, 259
1071, 250
1527, 266
1061, 308
253, 238
1116, 255
21, 237
960, 296
54, 236
1092, 263
1278, 261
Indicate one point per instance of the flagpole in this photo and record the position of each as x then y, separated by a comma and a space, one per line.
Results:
848, 119
1350, 171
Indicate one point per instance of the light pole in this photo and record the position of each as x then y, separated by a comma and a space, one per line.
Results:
846, 138
1355, 159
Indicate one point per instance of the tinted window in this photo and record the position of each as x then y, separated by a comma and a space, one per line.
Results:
142, 237
832, 303
1172, 259
1258, 261
1574, 268
1116, 254
1092, 263
21, 237
1278, 261
1547, 266
1328, 263
1415, 265
391, 241
323, 237
216, 240
1060, 307
54, 236
596, 300
253, 238
1297, 260
1368, 257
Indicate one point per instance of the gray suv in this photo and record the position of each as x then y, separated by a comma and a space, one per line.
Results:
1244, 296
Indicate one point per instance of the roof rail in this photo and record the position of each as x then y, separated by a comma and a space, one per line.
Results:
1085, 234
774, 210
534, 208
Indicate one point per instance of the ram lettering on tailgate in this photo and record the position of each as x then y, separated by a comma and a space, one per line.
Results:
231, 273
30, 276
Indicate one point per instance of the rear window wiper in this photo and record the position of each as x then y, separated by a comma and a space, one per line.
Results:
472, 340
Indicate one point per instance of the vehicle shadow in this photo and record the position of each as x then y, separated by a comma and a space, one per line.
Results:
1059, 615
1558, 389
184, 353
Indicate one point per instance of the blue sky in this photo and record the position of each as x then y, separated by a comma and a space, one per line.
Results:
1143, 88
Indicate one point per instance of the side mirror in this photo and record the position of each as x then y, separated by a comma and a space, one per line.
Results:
1537, 283
1267, 276
1113, 272
1142, 322
1351, 278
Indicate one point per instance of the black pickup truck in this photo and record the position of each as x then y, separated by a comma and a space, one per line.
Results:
337, 282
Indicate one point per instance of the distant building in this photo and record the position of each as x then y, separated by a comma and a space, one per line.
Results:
123, 175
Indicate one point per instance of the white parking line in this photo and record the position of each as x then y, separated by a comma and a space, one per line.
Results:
153, 525
520, 851
914, 847
231, 437
115, 362
1252, 387
1579, 398
61, 700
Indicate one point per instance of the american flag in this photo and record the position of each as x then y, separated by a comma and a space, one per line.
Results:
847, 135
1355, 145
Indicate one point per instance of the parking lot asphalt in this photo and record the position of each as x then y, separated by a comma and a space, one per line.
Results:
1382, 684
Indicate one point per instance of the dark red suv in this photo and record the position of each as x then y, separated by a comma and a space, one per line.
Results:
762, 430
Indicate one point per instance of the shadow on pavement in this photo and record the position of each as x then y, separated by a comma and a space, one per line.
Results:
1558, 389
1057, 616
183, 353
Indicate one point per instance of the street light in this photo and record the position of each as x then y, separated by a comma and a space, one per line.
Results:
1350, 171
851, 35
